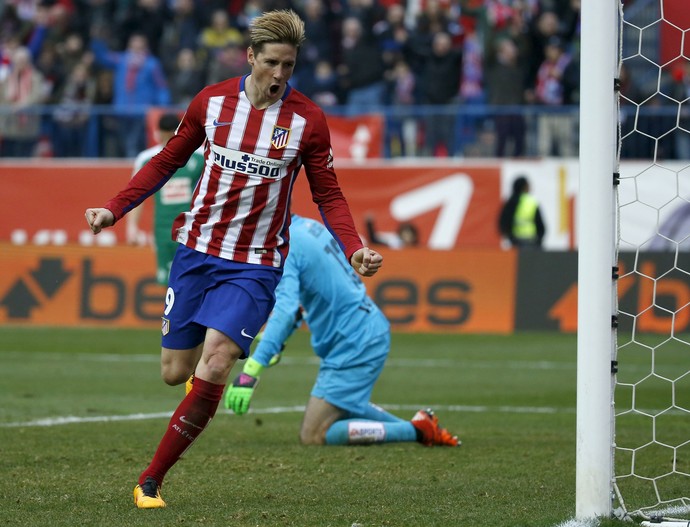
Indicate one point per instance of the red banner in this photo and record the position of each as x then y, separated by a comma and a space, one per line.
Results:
673, 27
43, 203
453, 206
356, 138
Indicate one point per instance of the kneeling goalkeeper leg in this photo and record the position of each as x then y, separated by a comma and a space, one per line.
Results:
362, 431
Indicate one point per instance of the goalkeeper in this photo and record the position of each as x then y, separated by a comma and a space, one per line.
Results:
350, 335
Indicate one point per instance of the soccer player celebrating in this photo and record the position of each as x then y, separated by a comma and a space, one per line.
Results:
257, 133
349, 334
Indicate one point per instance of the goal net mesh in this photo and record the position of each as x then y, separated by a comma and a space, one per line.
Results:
652, 388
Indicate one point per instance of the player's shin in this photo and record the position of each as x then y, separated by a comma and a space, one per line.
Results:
361, 431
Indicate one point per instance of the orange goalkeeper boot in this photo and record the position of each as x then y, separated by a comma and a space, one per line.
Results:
431, 434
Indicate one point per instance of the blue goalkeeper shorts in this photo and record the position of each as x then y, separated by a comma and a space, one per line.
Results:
349, 385
206, 291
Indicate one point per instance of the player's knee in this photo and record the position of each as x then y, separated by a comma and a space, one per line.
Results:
220, 361
216, 363
311, 440
312, 437
177, 365
174, 374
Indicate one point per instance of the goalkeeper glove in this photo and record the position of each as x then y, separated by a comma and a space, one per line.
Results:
239, 394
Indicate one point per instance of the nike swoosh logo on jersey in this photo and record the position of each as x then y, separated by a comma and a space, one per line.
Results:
216, 123
245, 334
188, 422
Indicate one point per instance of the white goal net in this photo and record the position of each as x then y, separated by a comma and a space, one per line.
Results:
651, 364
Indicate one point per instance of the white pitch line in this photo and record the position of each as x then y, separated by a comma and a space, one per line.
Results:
71, 419
301, 361
86, 357
579, 523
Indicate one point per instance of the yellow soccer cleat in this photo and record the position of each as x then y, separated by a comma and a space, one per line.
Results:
148, 495
189, 384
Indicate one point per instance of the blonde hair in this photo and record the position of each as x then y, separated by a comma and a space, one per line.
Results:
276, 27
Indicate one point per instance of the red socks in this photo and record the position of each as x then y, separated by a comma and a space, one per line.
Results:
189, 420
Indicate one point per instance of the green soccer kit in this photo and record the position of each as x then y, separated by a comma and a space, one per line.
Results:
171, 200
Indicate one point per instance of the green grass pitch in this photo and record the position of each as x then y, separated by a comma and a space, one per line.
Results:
81, 413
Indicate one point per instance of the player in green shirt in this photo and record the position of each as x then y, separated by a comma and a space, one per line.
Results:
171, 200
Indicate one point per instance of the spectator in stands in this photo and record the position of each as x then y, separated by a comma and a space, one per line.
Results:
52, 69
443, 62
322, 27
472, 94
219, 34
571, 74
73, 51
392, 33
26, 9
506, 85
73, 111
361, 71
402, 131
107, 124
434, 18
472, 77
139, 82
147, 18
187, 79
555, 130
568, 14
367, 59
322, 86
53, 27
249, 11
94, 13
23, 88
680, 91
231, 61
6, 53
53, 24
543, 28
319, 26
12, 26
180, 32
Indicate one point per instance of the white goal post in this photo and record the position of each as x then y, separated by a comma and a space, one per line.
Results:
596, 257
633, 359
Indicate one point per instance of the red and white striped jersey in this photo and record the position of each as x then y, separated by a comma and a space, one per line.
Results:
240, 207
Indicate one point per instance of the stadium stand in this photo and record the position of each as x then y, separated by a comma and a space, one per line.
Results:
482, 68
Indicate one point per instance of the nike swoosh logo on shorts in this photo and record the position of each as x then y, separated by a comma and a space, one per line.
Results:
245, 334
216, 123
188, 422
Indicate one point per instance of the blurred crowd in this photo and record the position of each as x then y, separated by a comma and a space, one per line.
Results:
359, 55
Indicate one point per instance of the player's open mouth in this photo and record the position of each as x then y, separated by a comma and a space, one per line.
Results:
274, 89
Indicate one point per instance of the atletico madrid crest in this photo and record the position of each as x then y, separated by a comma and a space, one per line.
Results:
165, 327
280, 136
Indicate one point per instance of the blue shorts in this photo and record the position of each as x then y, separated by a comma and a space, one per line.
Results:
205, 291
349, 385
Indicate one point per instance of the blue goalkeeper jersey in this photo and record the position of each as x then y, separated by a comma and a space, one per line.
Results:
340, 315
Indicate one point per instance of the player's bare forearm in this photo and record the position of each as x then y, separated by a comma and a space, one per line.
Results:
366, 262
99, 218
